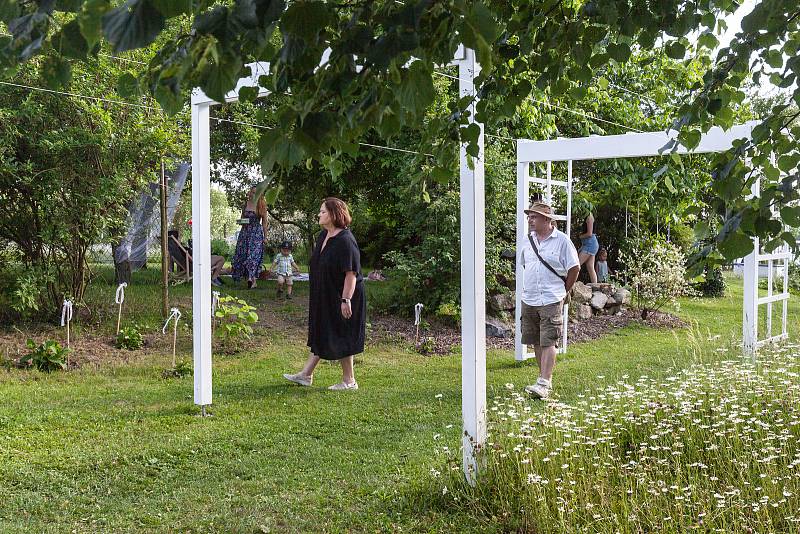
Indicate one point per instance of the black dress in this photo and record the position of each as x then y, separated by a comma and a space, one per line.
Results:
331, 336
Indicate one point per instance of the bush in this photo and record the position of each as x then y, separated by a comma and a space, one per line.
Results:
656, 272
180, 370
129, 338
714, 284
48, 357
235, 316
220, 247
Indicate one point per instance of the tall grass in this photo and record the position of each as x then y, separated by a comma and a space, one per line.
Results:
713, 448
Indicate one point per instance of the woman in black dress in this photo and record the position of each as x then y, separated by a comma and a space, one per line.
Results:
337, 303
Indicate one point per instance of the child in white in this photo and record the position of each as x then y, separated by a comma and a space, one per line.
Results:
601, 266
284, 266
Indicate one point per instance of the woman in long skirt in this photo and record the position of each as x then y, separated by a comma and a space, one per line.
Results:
337, 302
249, 256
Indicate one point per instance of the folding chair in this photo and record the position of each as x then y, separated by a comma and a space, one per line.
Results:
182, 259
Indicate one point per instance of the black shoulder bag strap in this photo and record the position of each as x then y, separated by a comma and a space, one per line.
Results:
550, 267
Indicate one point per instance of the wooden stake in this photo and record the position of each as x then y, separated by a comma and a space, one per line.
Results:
164, 246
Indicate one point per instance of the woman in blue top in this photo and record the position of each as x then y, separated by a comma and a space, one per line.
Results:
589, 247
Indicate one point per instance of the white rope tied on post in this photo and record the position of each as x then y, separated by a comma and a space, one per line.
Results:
119, 298
176, 313
417, 318
66, 312
66, 318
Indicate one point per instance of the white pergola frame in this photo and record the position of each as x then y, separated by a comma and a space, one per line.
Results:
473, 257
635, 145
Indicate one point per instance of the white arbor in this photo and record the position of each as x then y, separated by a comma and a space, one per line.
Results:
634, 145
473, 257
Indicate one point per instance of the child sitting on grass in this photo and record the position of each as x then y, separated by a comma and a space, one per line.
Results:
284, 266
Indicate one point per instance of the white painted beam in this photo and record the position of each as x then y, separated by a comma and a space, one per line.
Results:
630, 145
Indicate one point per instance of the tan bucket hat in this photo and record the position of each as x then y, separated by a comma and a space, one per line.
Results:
542, 208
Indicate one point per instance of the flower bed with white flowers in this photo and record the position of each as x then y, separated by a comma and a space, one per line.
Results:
713, 448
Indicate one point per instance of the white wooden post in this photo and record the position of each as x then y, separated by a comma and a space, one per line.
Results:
567, 227
473, 283
201, 249
523, 181
750, 305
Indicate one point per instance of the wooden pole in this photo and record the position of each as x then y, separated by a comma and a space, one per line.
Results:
164, 246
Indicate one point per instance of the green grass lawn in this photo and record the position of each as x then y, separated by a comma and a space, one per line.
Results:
121, 449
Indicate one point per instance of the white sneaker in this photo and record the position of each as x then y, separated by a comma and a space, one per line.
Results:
302, 380
540, 390
342, 386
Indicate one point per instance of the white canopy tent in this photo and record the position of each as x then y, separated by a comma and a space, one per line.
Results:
634, 145
473, 257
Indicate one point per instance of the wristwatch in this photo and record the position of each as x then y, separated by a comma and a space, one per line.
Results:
346, 300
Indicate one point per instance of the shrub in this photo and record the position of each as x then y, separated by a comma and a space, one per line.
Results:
220, 247
714, 284
129, 338
48, 357
180, 370
235, 316
656, 272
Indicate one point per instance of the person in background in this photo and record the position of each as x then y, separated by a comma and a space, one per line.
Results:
284, 266
247, 261
601, 265
337, 310
589, 247
550, 269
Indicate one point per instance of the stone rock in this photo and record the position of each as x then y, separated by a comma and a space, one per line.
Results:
508, 254
581, 293
507, 281
497, 328
599, 300
607, 289
614, 310
611, 301
502, 301
583, 311
594, 285
622, 296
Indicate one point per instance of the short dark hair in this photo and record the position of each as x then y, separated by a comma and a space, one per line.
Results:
338, 211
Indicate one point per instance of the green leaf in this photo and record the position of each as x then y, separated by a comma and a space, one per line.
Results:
127, 85
619, 52
774, 58
416, 91
170, 102
675, 50
222, 76
56, 72
736, 245
173, 8
708, 40
9, 9
90, 20
791, 215
69, 41
602, 83
133, 25
306, 19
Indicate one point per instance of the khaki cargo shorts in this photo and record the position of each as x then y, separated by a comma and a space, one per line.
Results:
285, 279
541, 325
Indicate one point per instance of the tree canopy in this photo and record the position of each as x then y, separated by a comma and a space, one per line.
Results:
384, 56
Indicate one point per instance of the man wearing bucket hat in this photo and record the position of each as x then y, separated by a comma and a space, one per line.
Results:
550, 268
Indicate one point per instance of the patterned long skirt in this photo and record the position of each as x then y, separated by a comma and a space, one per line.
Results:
249, 256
